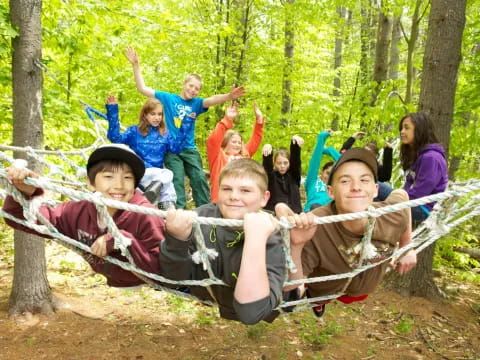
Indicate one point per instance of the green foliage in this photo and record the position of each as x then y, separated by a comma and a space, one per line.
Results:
405, 325
175, 38
318, 333
179, 305
257, 331
371, 350
66, 266
461, 264
204, 319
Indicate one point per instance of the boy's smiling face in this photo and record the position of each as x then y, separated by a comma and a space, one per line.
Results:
238, 196
116, 184
353, 187
191, 89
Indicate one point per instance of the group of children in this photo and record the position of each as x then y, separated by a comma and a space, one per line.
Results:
250, 259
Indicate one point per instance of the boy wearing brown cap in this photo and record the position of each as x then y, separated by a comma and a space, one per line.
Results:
334, 248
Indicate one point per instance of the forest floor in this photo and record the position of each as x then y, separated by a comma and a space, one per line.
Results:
98, 322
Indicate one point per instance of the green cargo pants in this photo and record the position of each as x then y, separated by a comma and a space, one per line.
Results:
189, 163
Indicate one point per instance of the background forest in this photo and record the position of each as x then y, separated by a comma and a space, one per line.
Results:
310, 65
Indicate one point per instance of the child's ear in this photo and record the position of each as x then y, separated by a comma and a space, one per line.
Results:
330, 192
266, 197
90, 185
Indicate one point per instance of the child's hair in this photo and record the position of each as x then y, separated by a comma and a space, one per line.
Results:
106, 165
246, 168
281, 152
226, 138
193, 76
327, 165
372, 146
143, 124
424, 134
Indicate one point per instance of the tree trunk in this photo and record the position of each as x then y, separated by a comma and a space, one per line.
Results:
288, 67
440, 66
365, 42
342, 13
245, 27
380, 68
411, 42
473, 253
394, 54
30, 290
223, 12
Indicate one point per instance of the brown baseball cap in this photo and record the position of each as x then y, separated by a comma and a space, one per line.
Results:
356, 154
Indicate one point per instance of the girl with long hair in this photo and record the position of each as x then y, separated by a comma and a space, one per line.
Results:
151, 141
423, 160
225, 144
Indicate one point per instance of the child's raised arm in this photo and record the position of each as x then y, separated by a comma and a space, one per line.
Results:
235, 93
232, 111
259, 118
111, 99
132, 57
257, 134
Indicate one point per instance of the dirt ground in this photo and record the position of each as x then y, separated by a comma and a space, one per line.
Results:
98, 322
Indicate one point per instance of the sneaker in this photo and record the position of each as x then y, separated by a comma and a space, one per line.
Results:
319, 310
152, 192
291, 295
165, 205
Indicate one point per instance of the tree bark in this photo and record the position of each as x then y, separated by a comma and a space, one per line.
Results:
223, 12
342, 13
440, 66
394, 54
30, 289
380, 69
245, 28
411, 44
474, 253
288, 67
365, 42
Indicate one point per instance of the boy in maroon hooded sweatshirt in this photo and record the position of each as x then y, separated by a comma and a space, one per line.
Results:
115, 171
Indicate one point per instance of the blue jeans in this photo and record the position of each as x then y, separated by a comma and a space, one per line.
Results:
419, 214
383, 191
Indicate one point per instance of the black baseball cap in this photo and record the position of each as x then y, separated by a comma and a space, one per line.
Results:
356, 154
118, 152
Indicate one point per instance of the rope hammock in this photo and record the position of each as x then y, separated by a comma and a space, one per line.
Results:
62, 178
448, 213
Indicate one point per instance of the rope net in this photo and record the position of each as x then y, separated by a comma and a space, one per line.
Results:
454, 206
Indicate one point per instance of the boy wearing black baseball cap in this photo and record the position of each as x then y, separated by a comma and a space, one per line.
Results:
115, 171
335, 248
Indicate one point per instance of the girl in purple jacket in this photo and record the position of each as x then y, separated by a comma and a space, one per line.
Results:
423, 160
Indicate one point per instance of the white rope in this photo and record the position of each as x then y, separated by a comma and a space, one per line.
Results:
437, 224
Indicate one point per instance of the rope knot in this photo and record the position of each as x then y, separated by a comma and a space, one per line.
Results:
283, 223
372, 212
20, 164
202, 257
